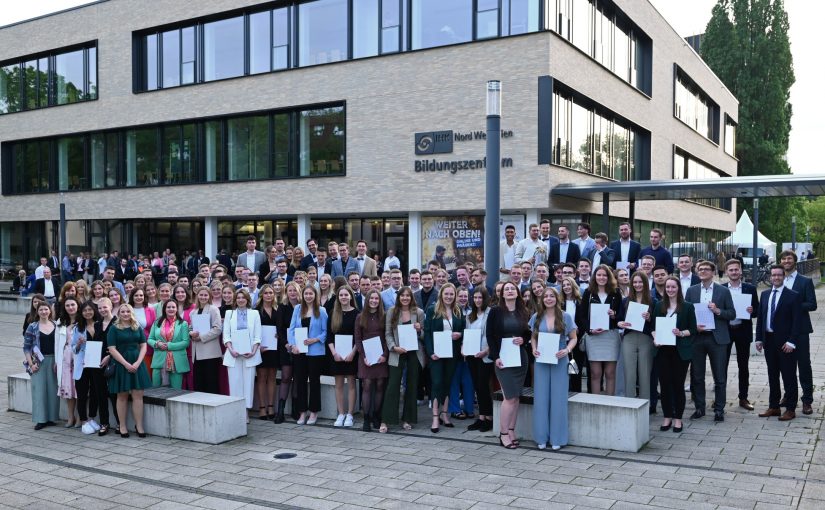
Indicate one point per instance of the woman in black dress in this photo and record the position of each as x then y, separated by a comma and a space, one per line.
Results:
265, 382
283, 318
343, 365
509, 320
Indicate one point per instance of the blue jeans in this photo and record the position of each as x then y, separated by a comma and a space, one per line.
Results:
462, 383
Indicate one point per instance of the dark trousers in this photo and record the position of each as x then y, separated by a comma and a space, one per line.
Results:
92, 394
781, 364
424, 388
206, 375
581, 361
705, 346
803, 360
308, 368
409, 414
741, 336
441, 374
482, 374
672, 372
654, 391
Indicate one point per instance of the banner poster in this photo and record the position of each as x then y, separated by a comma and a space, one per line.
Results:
452, 240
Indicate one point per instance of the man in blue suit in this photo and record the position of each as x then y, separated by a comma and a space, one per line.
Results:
586, 243
807, 303
741, 330
627, 250
777, 333
345, 263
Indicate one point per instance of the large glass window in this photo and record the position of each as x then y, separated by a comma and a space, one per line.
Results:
730, 136
248, 148
171, 58
581, 139
322, 32
583, 25
390, 26
280, 135
280, 38
142, 157
69, 78
179, 154
321, 135
487, 19
70, 163
10, 100
693, 107
438, 23
213, 150
91, 86
150, 64
223, 49
687, 167
259, 42
365, 28
187, 43
521, 16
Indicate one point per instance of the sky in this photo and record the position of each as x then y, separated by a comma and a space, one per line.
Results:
687, 18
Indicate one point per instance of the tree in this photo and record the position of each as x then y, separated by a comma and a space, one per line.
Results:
746, 44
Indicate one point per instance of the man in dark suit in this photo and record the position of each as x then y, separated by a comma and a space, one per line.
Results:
310, 258
47, 286
566, 250
425, 297
686, 275
602, 254
807, 303
322, 263
778, 328
544, 235
195, 262
354, 281
345, 263
741, 330
710, 344
627, 250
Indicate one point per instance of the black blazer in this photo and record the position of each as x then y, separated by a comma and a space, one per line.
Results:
573, 253
807, 301
307, 261
632, 253
608, 257
327, 267
40, 286
588, 298
786, 322
747, 288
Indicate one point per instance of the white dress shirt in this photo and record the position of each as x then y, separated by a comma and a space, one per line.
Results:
38, 272
48, 288
773, 299
735, 290
685, 280
706, 294
790, 279
625, 250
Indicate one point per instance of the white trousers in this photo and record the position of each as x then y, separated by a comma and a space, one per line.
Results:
242, 381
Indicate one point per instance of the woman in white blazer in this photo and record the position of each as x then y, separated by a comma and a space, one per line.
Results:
242, 325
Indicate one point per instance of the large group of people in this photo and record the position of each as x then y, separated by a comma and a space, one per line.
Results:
562, 311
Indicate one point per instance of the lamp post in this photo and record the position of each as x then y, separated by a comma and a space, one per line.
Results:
492, 217
62, 233
793, 233
754, 259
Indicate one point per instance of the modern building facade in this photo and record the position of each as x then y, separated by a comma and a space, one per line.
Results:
193, 124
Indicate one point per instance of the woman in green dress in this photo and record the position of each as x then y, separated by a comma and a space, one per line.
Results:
127, 347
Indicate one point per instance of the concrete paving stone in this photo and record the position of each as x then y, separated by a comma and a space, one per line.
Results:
368, 470
593, 473
365, 499
299, 489
507, 480
541, 489
720, 500
350, 506
585, 501
87, 503
782, 490
539, 504
814, 491
629, 497
742, 485
485, 496
769, 506
649, 480
603, 484
169, 505
659, 491
477, 485
624, 505
218, 503
434, 489
790, 473
312, 503
135, 500
444, 502
352, 487
169, 495
389, 483
411, 468
464, 474
336, 474
45, 505
695, 488
703, 472
392, 504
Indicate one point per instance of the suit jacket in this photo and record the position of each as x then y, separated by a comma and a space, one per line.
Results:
573, 254
338, 269
685, 320
40, 286
721, 298
431, 299
260, 258
589, 247
253, 324
327, 267
804, 286
747, 324
370, 268
632, 252
786, 323
607, 257
307, 261
177, 346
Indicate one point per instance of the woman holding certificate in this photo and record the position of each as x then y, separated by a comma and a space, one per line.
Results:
265, 383
553, 338
169, 338
372, 359
242, 338
291, 299
307, 334
675, 325
403, 332
127, 346
636, 317
598, 313
206, 346
481, 366
443, 327
507, 333
343, 365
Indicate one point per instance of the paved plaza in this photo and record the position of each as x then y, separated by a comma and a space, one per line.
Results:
745, 462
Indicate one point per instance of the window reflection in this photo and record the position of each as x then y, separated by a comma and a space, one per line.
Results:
322, 32
69, 77
171, 58
321, 138
248, 148
223, 49
259, 42
438, 23
365, 28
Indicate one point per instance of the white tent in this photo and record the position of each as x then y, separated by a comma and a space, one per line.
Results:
743, 239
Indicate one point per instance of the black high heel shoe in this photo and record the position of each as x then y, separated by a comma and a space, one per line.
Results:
444, 422
124, 435
511, 446
140, 434
434, 430
515, 441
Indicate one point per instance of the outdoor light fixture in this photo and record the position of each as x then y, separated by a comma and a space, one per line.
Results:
494, 98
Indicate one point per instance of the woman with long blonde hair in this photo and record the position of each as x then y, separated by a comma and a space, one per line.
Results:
127, 347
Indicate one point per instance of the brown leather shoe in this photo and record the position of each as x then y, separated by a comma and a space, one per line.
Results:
787, 416
744, 404
807, 409
770, 412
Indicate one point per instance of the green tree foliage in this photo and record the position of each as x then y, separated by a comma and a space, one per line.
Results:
746, 44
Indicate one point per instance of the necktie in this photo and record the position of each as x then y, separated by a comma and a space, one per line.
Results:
360, 258
773, 305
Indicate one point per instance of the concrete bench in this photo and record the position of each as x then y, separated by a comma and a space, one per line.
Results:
176, 414
14, 304
594, 421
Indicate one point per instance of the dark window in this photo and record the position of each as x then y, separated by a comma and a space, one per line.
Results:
280, 142
30, 87
322, 32
223, 49
259, 42
438, 23
104, 160
70, 163
142, 157
321, 140
31, 166
213, 150
171, 58
179, 154
10, 100
248, 148
687, 167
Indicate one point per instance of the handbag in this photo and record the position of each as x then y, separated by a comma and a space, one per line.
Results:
583, 343
572, 367
109, 370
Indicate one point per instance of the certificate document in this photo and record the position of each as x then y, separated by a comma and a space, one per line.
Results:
200, 323
443, 344
407, 337
472, 342
268, 338
228, 359
91, 358
634, 315
548, 346
241, 341
372, 349
664, 330
343, 345
301, 334
510, 353
599, 318
704, 317
741, 302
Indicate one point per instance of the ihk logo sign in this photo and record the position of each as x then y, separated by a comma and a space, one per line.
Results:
433, 142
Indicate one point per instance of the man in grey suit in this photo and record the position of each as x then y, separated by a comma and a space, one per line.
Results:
345, 263
807, 302
251, 258
712, 344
